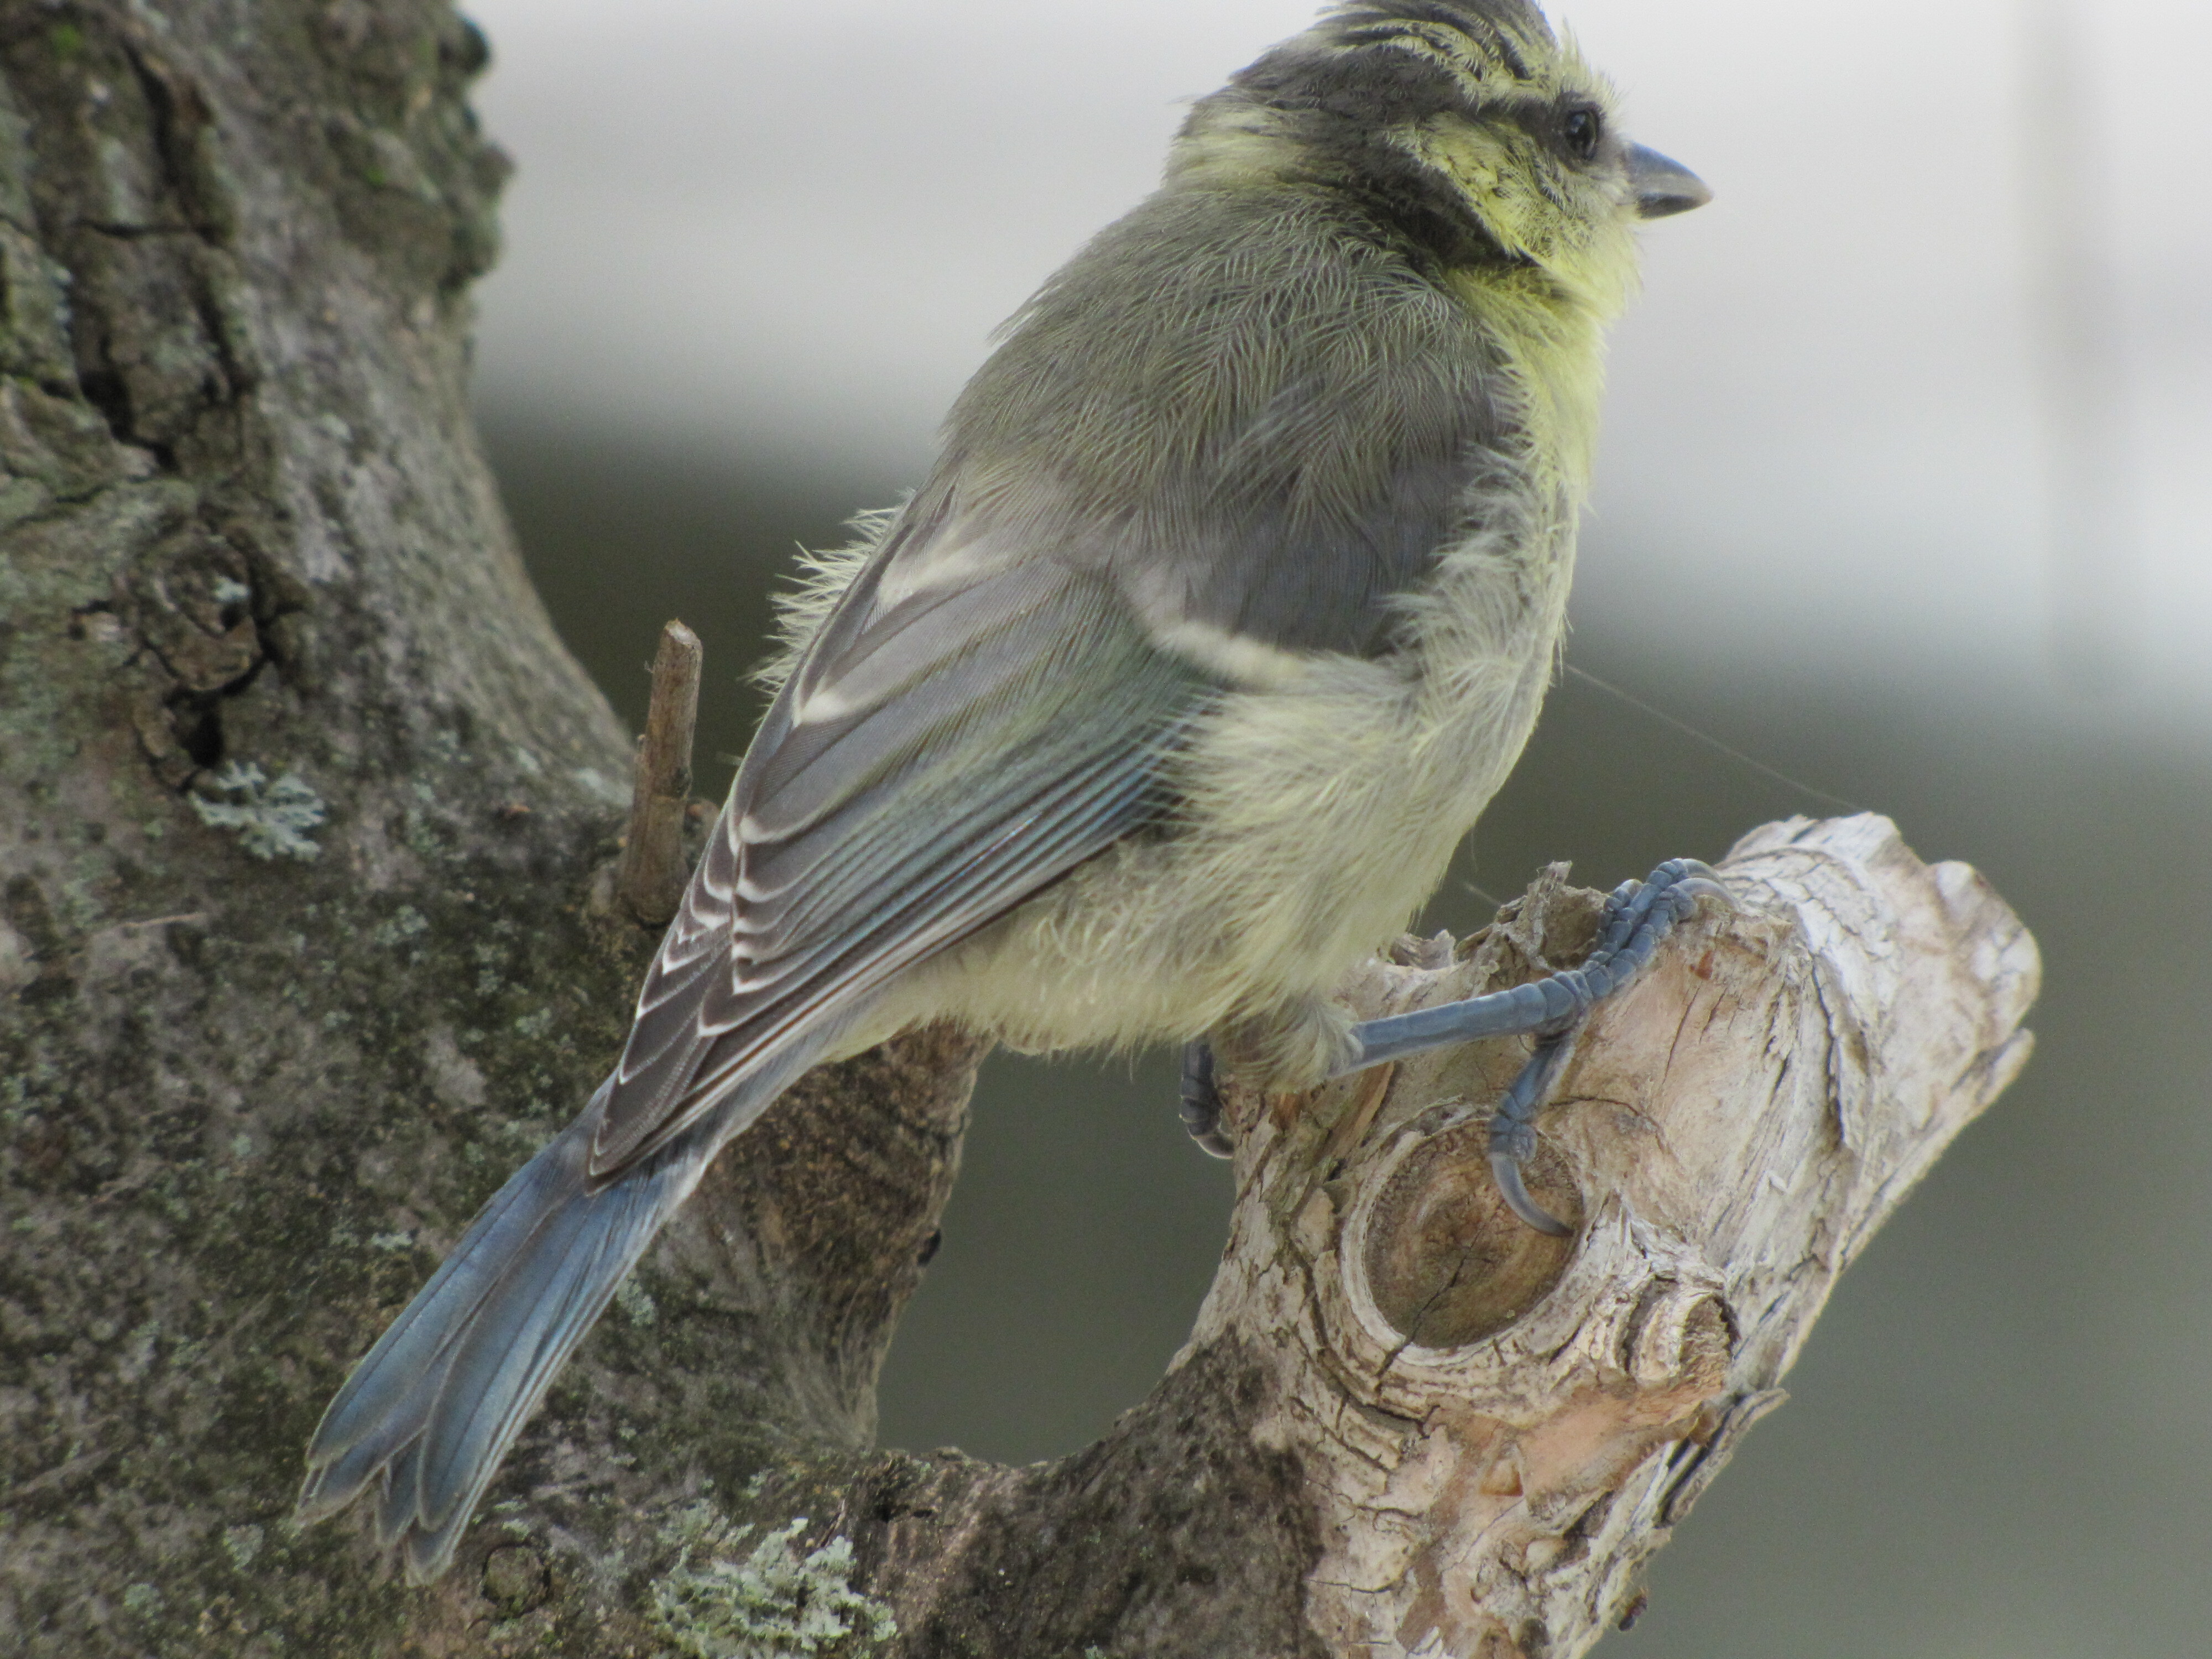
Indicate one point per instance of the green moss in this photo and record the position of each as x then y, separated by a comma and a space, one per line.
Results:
405, 923
636, 1302
22, 499
510, 1523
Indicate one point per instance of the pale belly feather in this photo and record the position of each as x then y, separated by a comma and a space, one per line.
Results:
1319, 814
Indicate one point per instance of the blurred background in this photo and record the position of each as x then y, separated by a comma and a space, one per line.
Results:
1907, 492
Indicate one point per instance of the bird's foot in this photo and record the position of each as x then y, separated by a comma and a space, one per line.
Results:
1638, 915
1201, 1100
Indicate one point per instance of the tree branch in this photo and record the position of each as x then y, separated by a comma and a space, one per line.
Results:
1406, 1423
1497, 1428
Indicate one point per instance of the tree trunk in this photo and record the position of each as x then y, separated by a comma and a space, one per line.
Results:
302, 808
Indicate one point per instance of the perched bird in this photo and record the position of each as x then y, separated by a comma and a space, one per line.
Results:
1227, 606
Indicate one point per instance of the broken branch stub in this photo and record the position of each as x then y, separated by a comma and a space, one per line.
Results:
655, 869
1497, 1429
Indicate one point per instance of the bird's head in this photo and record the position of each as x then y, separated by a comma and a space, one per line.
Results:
1487, 137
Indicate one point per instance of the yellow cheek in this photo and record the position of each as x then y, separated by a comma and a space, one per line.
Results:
1495, 178
1586, 243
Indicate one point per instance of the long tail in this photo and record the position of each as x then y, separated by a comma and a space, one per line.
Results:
432, 1410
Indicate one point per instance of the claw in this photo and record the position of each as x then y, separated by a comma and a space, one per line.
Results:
1505, 1170
1199, 1102
1513, 1135
1700, 887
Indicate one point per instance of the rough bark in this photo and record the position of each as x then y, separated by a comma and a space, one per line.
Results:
302, 809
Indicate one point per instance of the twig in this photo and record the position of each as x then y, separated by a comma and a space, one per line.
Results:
650, 882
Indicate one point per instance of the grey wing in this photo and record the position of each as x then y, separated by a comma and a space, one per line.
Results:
1303, 530
968, 725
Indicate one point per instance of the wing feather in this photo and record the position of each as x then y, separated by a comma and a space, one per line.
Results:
925, 769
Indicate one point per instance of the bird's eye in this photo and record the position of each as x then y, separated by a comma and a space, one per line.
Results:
1584, 127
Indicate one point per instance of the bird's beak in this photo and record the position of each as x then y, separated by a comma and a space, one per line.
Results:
1663, 187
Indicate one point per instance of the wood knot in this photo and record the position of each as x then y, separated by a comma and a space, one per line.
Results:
516, 1580
1447, 1262
1681, 1336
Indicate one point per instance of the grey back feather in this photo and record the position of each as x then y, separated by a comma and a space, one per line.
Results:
1250, 407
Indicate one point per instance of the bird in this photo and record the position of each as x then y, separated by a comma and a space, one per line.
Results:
1229, 603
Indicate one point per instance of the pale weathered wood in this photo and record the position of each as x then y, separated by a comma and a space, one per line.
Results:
1499, 1429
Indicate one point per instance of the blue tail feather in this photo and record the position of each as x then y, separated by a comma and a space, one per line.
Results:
427, 1417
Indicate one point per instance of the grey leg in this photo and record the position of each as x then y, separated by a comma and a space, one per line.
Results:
1200, 1102
1637, 916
